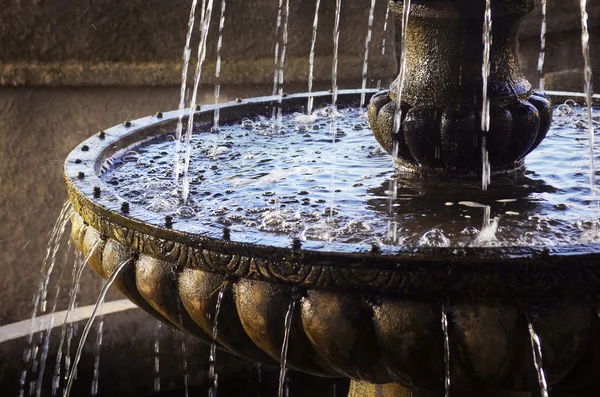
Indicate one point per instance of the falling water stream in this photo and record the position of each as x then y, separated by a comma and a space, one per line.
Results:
88, 325
585, 45
204, 30
542, 56
97, 351
334, 96
311, 67
403, 36
66, 327
213, 377
46, 334
284, 348
366, 58
485, 106
446, 352
187, 52
536, 346
383, 41
40, 297
277, 48
184, 353
157, 357
218, 65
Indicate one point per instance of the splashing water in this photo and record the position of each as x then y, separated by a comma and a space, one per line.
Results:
485, 106
366, 59
157, 357
311, 67
213, 377
218, 65
284, 348
446, 352
88, 325
403, 36
542, 56
97, 350
187, 52
585, 45
536, 346
204, 30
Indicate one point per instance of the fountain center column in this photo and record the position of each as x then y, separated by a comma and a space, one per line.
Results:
441, 101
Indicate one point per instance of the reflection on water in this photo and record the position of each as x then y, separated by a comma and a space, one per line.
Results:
266, 181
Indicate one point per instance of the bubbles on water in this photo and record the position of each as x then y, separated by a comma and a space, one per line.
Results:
274, 177
434, 238
186, 212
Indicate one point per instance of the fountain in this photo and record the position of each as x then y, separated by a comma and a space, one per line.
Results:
249, 251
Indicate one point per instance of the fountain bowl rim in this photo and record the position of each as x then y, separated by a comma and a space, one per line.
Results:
83, 166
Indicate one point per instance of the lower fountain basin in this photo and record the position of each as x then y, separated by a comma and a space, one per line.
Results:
370, 316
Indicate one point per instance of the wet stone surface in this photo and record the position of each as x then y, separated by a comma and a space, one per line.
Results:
265, 180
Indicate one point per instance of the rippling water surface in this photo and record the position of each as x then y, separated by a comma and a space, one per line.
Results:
269, 183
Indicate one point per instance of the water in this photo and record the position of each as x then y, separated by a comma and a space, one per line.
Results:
366, 58
277, 47
218, 65
284, 348
204, 30
446, 352
187, 52
88, 325
213, 377
97, 351
184, 354
585, 45
48, 332
541, 205
485, 106
383, 41
336, 50
542, 55
400, 87
311, 61
536, 347
157, 357
40, 297
68, 329
65, 328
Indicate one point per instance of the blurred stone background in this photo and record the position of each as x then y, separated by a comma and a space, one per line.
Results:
69, 69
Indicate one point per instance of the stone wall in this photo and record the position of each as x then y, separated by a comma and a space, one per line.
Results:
140, 42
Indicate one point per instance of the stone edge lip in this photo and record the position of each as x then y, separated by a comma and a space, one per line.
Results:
489, 272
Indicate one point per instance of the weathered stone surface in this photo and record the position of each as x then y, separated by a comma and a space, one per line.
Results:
110, 42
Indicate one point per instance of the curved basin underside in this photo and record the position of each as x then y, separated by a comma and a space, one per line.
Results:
363, 315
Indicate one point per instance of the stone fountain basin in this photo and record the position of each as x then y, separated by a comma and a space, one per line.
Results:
371, 317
